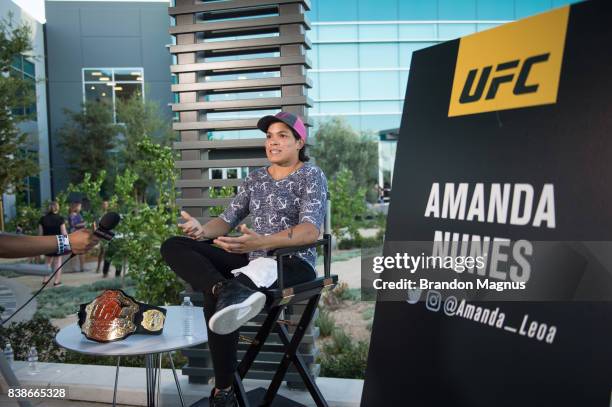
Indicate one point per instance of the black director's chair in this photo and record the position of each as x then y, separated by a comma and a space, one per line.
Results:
277, 300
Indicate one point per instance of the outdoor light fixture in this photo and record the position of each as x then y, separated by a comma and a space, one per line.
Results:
135, 73
93, 87
96, 74
118, 88
103, 93
139, 78
105, 78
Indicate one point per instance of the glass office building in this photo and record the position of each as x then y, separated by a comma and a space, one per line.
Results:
361, 52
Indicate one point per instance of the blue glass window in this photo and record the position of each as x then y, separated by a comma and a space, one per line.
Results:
314, 91
380, 107
385, 32
377, 10
418, 10
457, 9
313, 33
417, 31
452, 31
559, 3
382, 122
246, 114
240, 95
379, 85
239, 76
338, 32
403, 82
378, 55
526, 8
313, 55
335, 56
338, 107
338, 85
338, 10
482, 27
495, 9
315, 108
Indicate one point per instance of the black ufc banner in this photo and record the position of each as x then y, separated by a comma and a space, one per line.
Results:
505, 147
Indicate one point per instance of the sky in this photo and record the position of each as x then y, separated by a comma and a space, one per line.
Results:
36, 8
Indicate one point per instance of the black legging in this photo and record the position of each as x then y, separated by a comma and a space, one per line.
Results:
203, 265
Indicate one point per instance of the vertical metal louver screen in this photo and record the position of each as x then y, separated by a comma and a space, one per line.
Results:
234, 61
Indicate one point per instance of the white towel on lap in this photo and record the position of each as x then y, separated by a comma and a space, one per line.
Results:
262, 271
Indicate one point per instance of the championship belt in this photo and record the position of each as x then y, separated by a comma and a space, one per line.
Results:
114, 315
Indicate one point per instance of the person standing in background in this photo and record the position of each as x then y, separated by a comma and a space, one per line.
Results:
76, 222
53, 224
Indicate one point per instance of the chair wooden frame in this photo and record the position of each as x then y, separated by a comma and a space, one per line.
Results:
277, 300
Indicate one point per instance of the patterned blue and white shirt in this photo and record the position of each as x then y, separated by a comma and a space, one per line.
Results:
277, 205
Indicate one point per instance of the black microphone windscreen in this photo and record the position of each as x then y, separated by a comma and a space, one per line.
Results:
109, 221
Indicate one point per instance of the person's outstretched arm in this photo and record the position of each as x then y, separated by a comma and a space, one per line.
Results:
301, 234
213, 228
16, 246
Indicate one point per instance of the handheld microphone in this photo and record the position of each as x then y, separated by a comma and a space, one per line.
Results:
108, 222
103, 231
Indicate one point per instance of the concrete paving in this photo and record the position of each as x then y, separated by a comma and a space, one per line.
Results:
12, 296
348, 271
92, 383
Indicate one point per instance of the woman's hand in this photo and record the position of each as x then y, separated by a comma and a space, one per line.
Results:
248, 242
191, 227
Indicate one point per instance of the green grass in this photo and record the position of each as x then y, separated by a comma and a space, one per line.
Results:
9, 274
368, 314
62, 301
325, 322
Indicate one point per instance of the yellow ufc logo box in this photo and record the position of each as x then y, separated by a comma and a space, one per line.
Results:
515, 65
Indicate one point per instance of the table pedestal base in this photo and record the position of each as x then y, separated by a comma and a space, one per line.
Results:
153, 376
255, 396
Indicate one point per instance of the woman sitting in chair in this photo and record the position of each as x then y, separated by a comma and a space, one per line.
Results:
286, 202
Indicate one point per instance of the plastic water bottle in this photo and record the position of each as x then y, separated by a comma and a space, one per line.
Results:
188, 317
9, 354
33, 360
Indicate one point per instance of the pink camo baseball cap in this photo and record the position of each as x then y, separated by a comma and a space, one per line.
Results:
294, 122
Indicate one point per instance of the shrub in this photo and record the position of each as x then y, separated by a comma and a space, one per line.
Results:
27, 220
63, 301
325, 322
38, 332
361, 242
343, 357
223, 192
340, 293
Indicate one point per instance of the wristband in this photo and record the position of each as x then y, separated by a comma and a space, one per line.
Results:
63, 244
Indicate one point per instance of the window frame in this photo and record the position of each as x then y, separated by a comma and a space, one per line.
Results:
114, 83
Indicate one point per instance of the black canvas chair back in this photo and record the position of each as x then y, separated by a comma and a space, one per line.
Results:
277, 300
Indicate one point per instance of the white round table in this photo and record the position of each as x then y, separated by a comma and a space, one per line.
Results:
151, 346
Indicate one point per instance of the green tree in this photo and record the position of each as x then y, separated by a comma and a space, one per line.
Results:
337, 146
17, 164
144, 228
347, 203
141, 120
87, 138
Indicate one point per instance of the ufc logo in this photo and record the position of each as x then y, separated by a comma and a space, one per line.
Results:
520, 86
